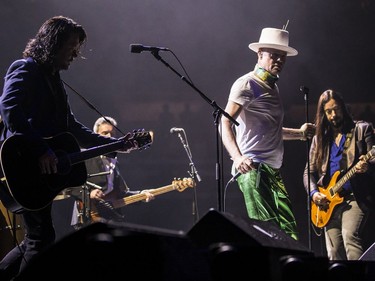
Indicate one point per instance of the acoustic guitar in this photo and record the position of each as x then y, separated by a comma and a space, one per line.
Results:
23, 187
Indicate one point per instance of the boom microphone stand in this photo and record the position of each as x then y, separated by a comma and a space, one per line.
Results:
218, 112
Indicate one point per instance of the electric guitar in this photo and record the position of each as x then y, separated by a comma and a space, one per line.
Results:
320, 215
23, 187
107, 210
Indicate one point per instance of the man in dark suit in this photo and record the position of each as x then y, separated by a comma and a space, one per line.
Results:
104, 185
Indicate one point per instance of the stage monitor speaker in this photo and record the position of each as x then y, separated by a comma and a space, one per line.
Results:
215, 227
106, 251
242, 245
351, 270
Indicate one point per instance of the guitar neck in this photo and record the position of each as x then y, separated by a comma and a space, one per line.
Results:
140, 196
142, 138
95, 151
338, 186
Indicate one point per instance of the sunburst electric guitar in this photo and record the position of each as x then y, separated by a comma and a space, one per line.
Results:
23, 187
107, 210
321, 215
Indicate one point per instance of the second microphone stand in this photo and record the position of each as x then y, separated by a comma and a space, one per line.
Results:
193, 173
86, 203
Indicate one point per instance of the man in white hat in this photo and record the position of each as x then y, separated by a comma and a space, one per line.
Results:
256, 145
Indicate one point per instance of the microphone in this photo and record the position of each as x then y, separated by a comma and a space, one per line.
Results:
138, 48
304, 90
235, 177
176, 130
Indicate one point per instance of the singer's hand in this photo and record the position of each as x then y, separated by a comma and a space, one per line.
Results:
244, 164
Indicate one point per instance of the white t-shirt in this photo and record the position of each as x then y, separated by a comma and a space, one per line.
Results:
259, 134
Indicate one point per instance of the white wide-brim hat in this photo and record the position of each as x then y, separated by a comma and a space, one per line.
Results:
275, 39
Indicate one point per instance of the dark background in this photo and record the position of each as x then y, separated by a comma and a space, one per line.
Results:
336, 45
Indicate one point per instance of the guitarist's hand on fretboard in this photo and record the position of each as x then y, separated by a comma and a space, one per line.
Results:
148, 194
362, 166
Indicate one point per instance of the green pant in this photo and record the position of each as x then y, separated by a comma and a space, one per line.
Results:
266, 198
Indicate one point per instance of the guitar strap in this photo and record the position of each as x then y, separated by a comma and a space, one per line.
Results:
2, 127
57, 88
349, 136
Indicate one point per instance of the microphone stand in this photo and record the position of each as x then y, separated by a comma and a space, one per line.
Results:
305, 91
86, 206
218, 112
193, 173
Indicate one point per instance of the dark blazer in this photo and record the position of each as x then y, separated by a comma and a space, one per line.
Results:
120, 188
34, 103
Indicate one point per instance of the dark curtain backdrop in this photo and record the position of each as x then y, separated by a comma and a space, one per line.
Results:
210, 38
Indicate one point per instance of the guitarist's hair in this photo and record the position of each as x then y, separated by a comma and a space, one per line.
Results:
324, 132
104, 120
51, 37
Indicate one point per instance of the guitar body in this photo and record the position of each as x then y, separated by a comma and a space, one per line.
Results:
25, 187
319, 216
104, 210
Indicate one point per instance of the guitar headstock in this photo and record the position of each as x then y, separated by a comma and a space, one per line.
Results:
138, 140
181, 185
143, 138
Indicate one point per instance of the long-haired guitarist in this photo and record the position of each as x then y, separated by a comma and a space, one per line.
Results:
34, 108
104, 185
341, 178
